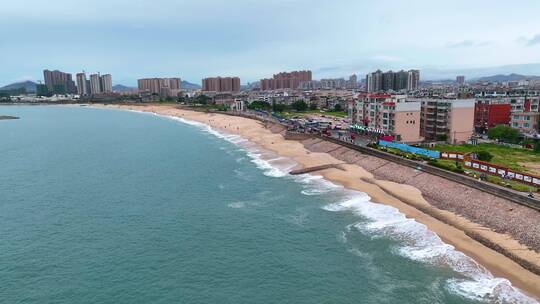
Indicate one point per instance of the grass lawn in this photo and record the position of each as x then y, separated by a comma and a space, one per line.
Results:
513, 158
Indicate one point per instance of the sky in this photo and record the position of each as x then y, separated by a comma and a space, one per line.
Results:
254, 39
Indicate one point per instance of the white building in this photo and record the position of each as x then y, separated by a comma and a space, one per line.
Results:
82, 89
106, 83
95, 84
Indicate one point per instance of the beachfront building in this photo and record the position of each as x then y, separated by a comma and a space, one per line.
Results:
58, 82
390, 114
450, 120
286, 80
163, 87
221, 84
95, 84
82, 88
106, 83
99, 84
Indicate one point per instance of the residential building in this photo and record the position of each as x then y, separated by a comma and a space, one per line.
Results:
413, 80
106, 83
221, 84
524, 113
58, 82
95, 84
353, 82
526, 122
82, 89
164, 87
333, 83
460, 80
390, 114
490, 112
286, 80
451, 120
392, 81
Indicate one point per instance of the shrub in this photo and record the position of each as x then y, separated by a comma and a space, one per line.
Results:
504, 133
537, 147
484, 155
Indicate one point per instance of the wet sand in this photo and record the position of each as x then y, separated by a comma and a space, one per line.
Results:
449, 226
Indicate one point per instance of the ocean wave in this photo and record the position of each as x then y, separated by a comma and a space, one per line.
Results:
417, 241
420, 244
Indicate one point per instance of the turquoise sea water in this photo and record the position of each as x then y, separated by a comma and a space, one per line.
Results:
109, 206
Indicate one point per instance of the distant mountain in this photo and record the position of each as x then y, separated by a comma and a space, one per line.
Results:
123, 88
28, 85
476, 73
506, 78
189, 86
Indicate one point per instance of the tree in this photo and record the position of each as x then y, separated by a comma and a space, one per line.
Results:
442, 137
278, 107
313, 106
504, 133
259, 105
299, 105
202, 99
484, 155
338, 108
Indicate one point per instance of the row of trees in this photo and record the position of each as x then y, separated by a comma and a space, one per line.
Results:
298, 106
510, 135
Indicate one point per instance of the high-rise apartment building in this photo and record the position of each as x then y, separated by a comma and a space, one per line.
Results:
374, 81
82, 89
413, 80
58, 82
392, 81
164, 87
353, 82
106, 83
286, 80
221, 84
460, 80
95, 84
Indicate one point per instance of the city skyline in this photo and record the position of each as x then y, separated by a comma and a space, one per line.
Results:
261, 38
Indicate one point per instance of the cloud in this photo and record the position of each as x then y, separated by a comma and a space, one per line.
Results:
530, 42
467, 43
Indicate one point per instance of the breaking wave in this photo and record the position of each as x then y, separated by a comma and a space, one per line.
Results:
416, 241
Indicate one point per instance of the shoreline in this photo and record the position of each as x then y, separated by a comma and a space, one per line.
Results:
450, 227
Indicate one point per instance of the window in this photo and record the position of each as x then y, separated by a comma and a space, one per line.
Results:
526, 125
527, 118
385, 115
515, 125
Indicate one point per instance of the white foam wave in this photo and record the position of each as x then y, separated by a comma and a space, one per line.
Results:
420, 244
237, 205
423, 245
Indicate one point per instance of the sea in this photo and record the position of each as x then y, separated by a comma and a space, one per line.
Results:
115, 206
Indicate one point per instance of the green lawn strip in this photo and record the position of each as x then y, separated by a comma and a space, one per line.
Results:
502, 155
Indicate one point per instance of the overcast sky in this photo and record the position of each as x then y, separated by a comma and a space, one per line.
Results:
253, 39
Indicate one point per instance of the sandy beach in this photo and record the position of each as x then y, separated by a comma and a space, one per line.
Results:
450, 226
